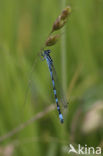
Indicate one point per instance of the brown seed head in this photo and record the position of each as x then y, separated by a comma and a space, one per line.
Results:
62, 19
65, 13
59, 23
52, 40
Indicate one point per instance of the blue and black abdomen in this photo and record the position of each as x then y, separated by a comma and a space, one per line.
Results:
50, 62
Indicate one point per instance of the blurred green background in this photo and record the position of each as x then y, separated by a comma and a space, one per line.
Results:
78, 57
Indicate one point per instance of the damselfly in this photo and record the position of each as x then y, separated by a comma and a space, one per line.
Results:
46, 55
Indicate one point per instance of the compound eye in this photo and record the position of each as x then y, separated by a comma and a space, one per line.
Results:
48, 51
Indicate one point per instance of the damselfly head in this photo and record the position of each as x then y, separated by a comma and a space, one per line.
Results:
47, 51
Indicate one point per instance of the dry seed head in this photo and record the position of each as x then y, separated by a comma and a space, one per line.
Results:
56, 24
59, 23
65, 13
62, 19
52, 40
